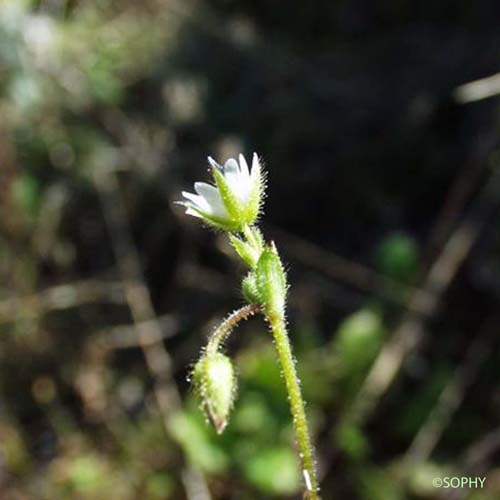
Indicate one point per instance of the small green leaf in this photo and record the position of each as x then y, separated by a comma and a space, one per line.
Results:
26, 193
159, 485
397, 257
274, 471
86, 473
245, 250
358, 339
351, 439
193, 436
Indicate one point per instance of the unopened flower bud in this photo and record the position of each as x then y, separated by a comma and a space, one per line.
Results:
215, 382
249, 253
271, 283
249, 289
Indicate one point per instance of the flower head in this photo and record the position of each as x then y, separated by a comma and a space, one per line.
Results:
235, 199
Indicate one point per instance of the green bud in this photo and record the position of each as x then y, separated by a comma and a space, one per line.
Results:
248, 252
255, 239
249, 289
270, 281
215, 382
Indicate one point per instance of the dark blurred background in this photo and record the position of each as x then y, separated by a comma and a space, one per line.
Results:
378, 126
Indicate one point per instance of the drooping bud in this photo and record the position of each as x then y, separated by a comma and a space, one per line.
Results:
271, 283
215, 382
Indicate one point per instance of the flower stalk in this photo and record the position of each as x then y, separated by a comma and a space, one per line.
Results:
282, 342
233, 204
223, 331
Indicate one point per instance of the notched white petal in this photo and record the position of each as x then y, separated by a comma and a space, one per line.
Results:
244, 166
231, 167
197, 201
238, 178
255, 165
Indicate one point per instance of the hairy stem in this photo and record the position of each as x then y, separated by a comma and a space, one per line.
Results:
221, 333
278, 329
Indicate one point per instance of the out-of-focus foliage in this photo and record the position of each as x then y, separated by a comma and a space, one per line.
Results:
369, 157
397, 257
355, 346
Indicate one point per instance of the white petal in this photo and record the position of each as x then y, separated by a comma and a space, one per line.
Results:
244, 166
231, 167
192, 212
212, 197
202, 188
237, 181
197, 201
255, 164
214, 164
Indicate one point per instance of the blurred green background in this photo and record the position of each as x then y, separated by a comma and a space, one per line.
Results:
383, 198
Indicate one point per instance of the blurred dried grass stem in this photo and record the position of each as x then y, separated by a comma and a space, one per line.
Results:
408, 335
149, 331
60, 297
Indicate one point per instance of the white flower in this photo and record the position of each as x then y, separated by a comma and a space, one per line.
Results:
235, 199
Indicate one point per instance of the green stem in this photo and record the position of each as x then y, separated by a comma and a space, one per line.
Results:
221, 333
278, 329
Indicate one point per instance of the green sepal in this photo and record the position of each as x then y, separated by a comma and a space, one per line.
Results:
215, 383
249, 253
249, 289
230, 200
254, 202
271, 283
